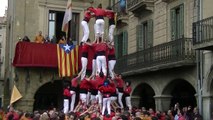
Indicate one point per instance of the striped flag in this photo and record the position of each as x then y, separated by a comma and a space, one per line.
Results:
67, 60
67, 16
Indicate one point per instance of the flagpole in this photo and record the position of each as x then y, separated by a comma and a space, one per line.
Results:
70, 27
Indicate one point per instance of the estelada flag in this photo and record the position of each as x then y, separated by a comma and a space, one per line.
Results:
67, 16
16, 95
67, 60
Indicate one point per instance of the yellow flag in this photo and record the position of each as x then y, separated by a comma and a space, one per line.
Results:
16, 95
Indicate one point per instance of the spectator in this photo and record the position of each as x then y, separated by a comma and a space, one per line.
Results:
26, 39
39, 38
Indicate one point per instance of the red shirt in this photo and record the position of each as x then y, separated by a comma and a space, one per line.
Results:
106, 89
111, 51
98, 11
120, 82
100, 80
100, 47
128, 90
87, 16
67, 92
93, 84
84, 84
85, 48
110, 14
74, 82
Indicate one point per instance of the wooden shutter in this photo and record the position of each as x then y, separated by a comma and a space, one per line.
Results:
139, 37
125, 43
150, 33
173, 24
116, 45
181, 21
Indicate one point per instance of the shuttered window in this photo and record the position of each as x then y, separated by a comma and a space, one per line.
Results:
121, 44
125, 43
177, 22
144, 35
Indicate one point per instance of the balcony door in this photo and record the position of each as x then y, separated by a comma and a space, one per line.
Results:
55, 25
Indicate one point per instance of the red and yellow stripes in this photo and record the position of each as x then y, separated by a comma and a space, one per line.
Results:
67, 62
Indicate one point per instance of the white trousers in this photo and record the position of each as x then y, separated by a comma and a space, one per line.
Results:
106, 103
99, 27
99, 97
83, 97
113, 98
84, 62
101, 64
120, 99
66, 106
85, 27
128, 102
88, 97
95, 30
111, 65
93, 98
94, 67
111, 32
73, 97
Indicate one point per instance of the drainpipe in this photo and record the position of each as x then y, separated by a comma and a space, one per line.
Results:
199, 57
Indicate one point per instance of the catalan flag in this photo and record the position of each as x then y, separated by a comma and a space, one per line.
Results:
67, 60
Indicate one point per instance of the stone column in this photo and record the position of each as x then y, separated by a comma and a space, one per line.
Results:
162, 102
207, 107
135, 100
24, 104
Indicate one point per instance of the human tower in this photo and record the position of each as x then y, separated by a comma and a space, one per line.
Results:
102, 88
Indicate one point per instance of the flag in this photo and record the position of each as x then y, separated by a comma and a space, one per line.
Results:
16, 95
67, 60
67, 16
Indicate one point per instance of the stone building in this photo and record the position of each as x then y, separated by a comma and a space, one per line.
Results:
2, 55
40, 87
160, 49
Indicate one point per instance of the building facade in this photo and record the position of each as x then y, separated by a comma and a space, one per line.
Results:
2, 55
40, 86
155, 50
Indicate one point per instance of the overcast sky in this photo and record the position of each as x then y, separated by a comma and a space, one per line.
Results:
3, 5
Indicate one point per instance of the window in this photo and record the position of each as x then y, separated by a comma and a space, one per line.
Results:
52, 23
177, 22
74, 27
144, 35
121, 44
55, 25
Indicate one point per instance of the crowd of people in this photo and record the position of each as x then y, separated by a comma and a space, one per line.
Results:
93, 113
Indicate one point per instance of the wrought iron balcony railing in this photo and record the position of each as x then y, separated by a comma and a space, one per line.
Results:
167, 55
118, 9
133, 5
203, 34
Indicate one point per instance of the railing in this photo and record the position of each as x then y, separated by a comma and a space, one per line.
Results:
134, 3
118, 9
203, 31
161, 55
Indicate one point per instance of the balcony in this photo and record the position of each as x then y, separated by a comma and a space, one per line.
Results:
122, 16
168, 55
139, 6
203, 34
168, 1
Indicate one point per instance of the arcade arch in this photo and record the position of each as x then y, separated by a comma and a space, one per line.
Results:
181, 91
145, 94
